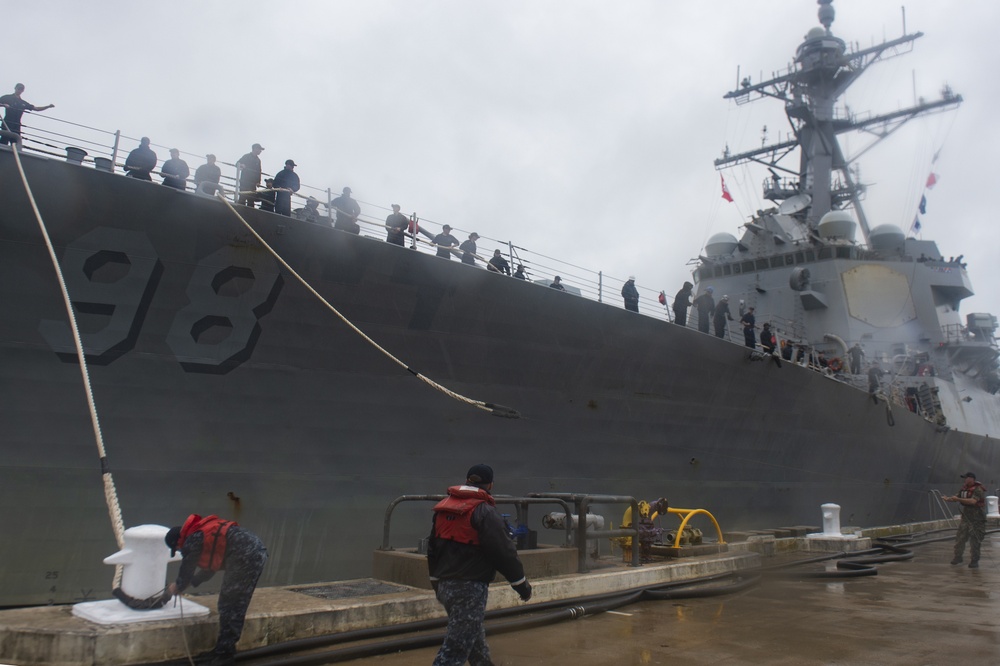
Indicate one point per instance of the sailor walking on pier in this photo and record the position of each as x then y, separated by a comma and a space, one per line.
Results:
468, 545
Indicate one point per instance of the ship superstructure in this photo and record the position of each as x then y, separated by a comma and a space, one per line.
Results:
824, 286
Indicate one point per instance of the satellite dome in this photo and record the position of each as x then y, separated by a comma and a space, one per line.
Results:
721, 245
815, 33
837, 225
886, 238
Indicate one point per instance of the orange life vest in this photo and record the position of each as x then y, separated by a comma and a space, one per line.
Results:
214, 531
453, 514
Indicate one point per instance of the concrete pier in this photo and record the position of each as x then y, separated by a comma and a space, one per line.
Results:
54, 636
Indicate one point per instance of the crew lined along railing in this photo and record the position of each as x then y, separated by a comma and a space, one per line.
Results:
47, 135
62, 139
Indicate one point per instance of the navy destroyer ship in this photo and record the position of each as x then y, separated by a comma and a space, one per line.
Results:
224, 384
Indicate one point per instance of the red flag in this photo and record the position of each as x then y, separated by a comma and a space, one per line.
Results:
725, 190
663, 298
931, 180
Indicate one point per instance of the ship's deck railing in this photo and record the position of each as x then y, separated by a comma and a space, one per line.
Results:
959, 334
48, 135
44, 134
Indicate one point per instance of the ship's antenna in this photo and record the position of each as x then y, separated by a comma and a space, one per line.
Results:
826, 13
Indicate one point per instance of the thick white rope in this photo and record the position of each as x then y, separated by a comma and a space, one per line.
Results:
110, 494
498, 410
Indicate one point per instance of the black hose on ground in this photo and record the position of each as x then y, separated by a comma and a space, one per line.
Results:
314, 642
606, 602
569, 609
850, 565
860, 563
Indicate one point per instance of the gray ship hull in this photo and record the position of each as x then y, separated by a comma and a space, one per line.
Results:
224, 386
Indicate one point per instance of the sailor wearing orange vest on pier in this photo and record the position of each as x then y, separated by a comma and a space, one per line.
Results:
208, 545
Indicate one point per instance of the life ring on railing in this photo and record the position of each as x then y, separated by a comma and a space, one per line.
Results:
835, 364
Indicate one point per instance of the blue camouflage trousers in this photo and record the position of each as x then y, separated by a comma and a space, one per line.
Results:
465, 638
238, 586
973, 531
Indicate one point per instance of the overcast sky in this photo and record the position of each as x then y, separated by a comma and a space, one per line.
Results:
580, 129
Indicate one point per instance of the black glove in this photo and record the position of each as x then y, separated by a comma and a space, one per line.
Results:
523, 589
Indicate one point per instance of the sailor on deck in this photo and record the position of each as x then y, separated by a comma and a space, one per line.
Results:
875, 373
348, 212
444, 242
855, 354
250, 171
207, 176
141, 161
682, 301
286, 181
15, 108
706, 306
630, 294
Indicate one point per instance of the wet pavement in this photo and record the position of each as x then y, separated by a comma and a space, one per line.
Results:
919, 611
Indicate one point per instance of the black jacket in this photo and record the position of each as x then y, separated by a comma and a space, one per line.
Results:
461, 561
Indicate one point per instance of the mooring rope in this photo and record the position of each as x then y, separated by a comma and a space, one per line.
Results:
110, 494
496, 410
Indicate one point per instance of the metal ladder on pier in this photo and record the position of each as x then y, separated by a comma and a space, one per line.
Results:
937, 499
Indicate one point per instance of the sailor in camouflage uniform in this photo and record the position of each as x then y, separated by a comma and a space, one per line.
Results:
972, 497
208, 545
468, 545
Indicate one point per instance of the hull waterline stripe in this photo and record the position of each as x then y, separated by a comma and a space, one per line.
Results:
496, 410
110, 493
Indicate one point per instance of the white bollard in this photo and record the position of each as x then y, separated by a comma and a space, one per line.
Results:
831, 519
145, 557
831, 538
992, 510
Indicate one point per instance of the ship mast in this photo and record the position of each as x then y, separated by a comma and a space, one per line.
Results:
823, 71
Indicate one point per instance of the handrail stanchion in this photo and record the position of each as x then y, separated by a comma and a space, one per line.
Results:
600, 286
114, 150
